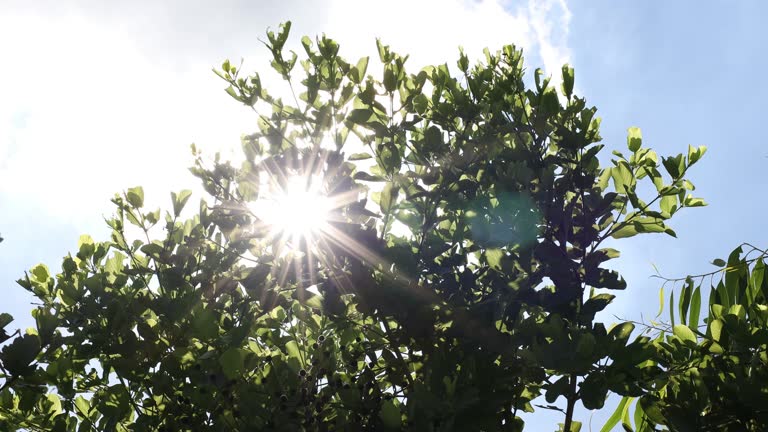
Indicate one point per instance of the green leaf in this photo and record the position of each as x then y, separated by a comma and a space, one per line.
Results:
360, 115
5, 319
41, 273
114, 402
668, 204
593, 391
634, 139
420, 103
693, 320
596, 304
622, 331
46, 324
359, 156
737, 310
390, 414
575, 427
135, 196
357, 74
661, 302
684, 333
690, 201
622, 177
390, 79
625, 422
292, 349
586, 345
364, 176
231, 362
604, 278
557, 389
494, 256
716, 329
388, 197
625, 231
604, 178
180, 200
233, 93
389, 157
568, 78
83, 406
695, 153
685, 301
204, 324
86, 240
672, 307
674, 166
617, 415
384, 53
19, 354
717, 262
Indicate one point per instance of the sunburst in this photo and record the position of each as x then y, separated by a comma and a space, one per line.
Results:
304, 217
299, 210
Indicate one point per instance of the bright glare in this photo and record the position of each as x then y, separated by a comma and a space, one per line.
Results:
298, 210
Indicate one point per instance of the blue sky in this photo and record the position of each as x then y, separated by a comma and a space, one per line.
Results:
96, 99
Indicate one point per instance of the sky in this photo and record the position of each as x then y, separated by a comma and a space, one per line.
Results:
96, 97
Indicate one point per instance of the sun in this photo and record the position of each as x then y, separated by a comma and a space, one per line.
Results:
297, 210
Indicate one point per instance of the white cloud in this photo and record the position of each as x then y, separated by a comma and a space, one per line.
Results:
429, 30
93, 102
100, 116
550, 21
432, 30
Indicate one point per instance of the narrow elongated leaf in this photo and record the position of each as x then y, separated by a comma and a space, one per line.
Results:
359, 156
661, 302
625, 422
567, 80
685, 301
672, 307
617, 415
693, 319
641, 421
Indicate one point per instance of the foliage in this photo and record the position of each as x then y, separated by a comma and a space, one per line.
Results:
458, 278
714, 375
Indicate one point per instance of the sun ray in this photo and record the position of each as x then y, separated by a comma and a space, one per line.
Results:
301, 196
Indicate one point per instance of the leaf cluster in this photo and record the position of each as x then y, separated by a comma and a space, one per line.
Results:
459, 277
710, 376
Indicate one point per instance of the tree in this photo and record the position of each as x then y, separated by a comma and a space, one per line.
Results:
455, 276
714, 375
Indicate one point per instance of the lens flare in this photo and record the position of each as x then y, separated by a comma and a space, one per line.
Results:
297, 210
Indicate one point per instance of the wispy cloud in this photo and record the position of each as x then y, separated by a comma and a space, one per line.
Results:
550, 21
92, 102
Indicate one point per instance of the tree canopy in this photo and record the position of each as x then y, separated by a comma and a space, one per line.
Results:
452, 272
